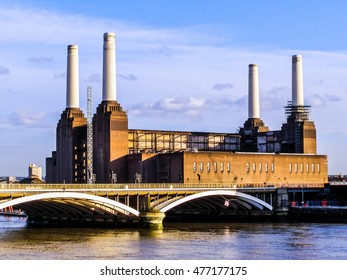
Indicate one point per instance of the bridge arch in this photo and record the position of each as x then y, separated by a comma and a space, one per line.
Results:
246, 200
77, 199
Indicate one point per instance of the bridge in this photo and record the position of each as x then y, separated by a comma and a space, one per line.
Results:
142, 204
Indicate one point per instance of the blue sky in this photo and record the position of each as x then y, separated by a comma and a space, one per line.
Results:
181, 65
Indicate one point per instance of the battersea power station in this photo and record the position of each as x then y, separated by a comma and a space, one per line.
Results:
103, 149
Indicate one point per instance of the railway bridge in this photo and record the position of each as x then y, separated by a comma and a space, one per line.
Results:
142, 204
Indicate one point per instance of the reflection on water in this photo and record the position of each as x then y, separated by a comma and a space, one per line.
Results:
175, 241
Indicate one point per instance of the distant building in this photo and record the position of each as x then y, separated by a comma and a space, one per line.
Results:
255, 155
34, 171
11, 179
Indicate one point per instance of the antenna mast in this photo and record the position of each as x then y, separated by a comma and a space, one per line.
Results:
90, 174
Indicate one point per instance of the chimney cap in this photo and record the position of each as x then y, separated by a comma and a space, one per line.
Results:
297, 56
109, 35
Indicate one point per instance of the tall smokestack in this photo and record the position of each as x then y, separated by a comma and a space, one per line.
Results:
109, 68
297, 81
253, 92
72, 79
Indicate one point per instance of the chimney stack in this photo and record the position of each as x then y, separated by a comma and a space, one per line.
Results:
72, 79
109, 68
253, 92
297, 81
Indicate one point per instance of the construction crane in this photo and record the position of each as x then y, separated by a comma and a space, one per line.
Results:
90, 174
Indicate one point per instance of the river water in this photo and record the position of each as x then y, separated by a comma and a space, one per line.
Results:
222, 241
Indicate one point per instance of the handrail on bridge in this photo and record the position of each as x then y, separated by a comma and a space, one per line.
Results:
151, 186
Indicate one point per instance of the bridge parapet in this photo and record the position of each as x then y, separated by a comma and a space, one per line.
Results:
151, 186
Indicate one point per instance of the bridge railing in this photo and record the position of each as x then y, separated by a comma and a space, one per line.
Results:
116, 186
150, 186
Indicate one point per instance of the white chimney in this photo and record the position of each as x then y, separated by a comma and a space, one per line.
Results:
253, 92
297, 81
72, 78
109, 68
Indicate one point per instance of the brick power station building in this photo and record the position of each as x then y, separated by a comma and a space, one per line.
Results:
254, 156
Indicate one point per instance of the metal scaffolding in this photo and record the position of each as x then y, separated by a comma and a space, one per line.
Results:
90, 175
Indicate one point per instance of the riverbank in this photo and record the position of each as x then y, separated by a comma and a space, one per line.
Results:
330, 214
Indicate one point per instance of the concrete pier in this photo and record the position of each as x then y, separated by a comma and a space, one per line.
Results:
152, 219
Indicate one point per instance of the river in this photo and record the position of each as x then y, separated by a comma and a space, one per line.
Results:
215, 241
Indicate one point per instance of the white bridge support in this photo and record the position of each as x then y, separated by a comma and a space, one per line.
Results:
97, 201
247, 200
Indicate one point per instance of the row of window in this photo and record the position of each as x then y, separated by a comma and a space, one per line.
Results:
226, 166
222, 166
260, 167
302, 168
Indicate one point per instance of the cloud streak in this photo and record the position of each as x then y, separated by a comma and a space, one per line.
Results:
178, 105
129, 77
4, 70
25, 118
222, 86
41, 59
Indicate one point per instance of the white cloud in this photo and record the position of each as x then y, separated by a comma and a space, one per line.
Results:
25, 118
94, 78
41, 59
129, 77
221, 86
4, 70
178, 105
60, 75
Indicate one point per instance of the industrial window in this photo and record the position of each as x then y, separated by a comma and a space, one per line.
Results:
266, 167
254, 167
228, 166
208, 166
296, 168
290, 168
201, 166
215, 166
194, 166
260, 168
222, 167
247, 166
318, 167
